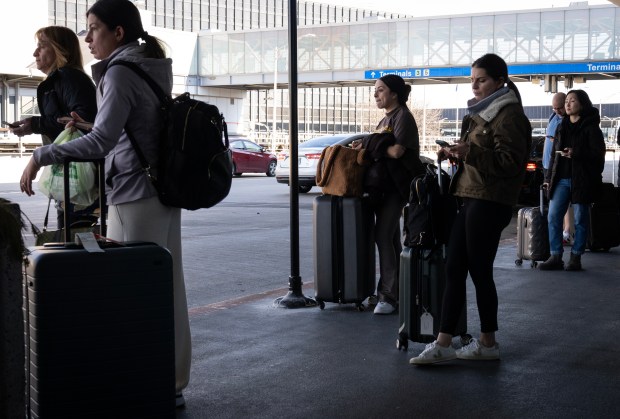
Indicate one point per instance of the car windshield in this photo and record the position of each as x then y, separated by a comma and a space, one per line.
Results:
321, 142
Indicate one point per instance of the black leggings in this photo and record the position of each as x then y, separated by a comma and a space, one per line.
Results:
471, 249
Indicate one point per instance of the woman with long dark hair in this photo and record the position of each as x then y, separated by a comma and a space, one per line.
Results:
491, 156
575, 174
391, 95
126, 102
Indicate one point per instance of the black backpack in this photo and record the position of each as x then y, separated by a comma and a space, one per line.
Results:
430, 213
195, 162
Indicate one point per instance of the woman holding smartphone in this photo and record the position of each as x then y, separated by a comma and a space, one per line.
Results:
67, 88
491, 155
574, 177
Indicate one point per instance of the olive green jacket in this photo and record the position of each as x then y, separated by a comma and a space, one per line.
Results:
499, 140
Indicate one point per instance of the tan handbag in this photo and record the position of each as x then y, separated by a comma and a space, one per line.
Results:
340, 171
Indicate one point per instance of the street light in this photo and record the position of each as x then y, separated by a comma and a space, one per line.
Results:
295, 297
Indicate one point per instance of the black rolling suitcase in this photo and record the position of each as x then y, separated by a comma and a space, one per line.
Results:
532, 234
604, 232
422, 274
100, 330
422, 282
344, 250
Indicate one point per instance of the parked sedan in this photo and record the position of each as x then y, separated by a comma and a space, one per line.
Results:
308, 157
249, 157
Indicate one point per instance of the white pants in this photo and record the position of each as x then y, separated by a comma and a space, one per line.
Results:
149, 220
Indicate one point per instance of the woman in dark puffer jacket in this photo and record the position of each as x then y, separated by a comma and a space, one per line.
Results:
576, 173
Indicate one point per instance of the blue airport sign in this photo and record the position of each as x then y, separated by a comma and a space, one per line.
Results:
513, 70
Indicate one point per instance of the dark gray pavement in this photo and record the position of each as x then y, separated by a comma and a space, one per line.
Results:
558, 338
558, 330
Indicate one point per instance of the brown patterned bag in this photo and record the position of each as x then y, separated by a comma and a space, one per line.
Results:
340, 171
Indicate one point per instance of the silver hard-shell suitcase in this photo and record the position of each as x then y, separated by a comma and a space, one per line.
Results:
344, 250
532, 234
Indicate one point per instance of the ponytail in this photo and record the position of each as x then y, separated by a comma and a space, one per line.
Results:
154, 47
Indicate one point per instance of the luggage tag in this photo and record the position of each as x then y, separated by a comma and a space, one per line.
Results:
88, 242
426, 324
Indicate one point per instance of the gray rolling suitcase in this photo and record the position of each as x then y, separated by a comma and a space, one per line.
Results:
99, 330
532, 234
422, 281
344, 250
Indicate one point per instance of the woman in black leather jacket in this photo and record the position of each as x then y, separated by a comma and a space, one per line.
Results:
66, 89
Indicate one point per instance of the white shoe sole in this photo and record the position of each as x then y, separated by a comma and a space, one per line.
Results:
416, 361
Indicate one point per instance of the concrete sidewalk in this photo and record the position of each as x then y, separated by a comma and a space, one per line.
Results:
558, 336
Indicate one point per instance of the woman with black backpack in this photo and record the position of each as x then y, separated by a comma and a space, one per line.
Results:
125, 101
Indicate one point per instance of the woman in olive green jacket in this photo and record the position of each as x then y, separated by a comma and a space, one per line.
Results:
491, 156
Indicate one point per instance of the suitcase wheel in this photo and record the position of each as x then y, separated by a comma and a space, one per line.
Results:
533, 264
402, 342
360, 306
519, 262
321, 304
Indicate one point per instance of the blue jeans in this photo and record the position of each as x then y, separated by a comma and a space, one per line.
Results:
558, 205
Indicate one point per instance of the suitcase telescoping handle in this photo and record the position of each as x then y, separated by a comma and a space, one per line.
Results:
542, 200
100, 164
439, 175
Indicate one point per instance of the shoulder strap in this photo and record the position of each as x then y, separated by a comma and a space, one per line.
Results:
163, 98
136, 68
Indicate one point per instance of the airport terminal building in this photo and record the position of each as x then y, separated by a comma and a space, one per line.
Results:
234, 53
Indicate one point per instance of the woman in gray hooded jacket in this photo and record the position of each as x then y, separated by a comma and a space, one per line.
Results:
125, 100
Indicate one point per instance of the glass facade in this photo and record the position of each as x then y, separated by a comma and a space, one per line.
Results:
221, 15
566, 35
249, 37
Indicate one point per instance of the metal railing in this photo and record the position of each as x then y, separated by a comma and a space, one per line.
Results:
17, 146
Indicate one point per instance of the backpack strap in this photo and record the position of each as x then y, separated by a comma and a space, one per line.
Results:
163, 98
148, 79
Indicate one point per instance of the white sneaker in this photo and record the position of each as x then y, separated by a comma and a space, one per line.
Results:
477, 351
434, 353
384, 308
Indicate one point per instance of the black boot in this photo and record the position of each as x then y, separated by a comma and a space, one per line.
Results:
554, 263
574, 264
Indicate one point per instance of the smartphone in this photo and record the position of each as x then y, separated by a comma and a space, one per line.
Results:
10, 124
443, 143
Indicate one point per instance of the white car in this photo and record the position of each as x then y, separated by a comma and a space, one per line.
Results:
309, 153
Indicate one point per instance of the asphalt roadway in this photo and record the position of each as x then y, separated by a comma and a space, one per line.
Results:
558, 330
